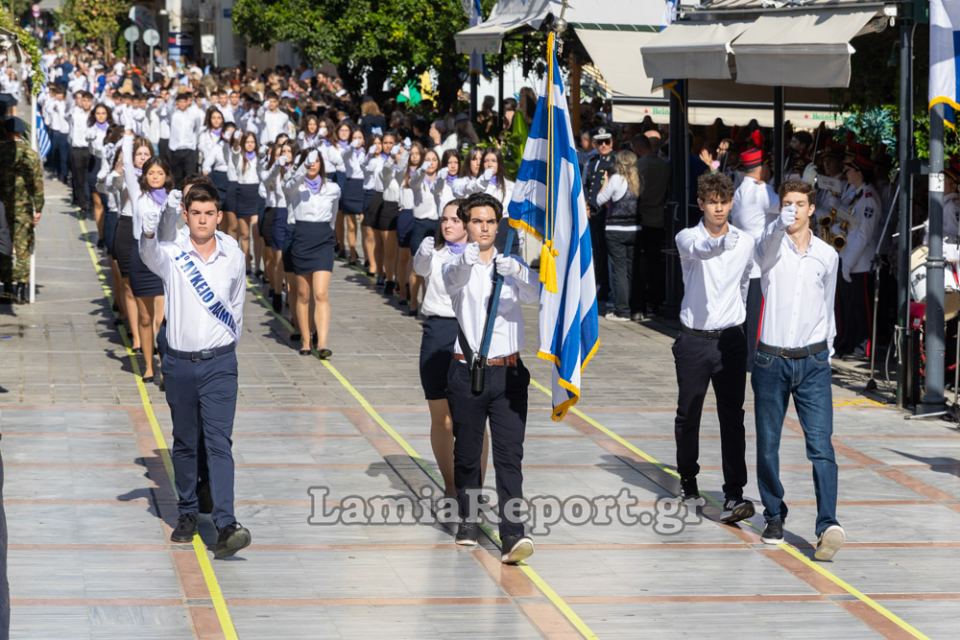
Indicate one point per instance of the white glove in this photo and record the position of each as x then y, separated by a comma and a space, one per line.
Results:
443, 173
407, 143
237, 135
788, 216
356, 144
428, 165
129, 122
282, 161
471, 253
507, 266
395, 151
730, 240
149, 221
372, 150
488, 174
845, 272
426, 247
312, 157
174, 198
322, 132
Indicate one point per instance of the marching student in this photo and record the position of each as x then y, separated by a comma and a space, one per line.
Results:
793, 358
425, 186
78, 117
97, 126
313, 202
275, 218
415, 159
470, 170
439, 336
203, 271
391, 174
185, 125
231, 138
372, 201
55, 117
449, 172
247, 200
273, 121
500, 393
716, 258
145, 193
353, 194
215, 157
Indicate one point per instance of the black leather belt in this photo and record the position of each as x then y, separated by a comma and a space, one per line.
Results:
713, 334
203, 354
794, 354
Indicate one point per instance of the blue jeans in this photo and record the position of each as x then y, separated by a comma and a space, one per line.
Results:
808, 380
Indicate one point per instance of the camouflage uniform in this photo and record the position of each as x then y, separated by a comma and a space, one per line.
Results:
21, 191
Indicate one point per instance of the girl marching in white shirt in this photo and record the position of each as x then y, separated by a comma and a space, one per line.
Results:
386, 223
313, 202
212, 161
352, 197
372, 200
405, 226
275, 218
469, 172
309, 136
248, 202
492, 180
97, 126
426, 187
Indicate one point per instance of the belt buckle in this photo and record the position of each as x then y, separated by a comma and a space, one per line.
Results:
206, 354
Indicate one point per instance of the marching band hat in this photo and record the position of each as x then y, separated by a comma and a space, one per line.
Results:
601, 133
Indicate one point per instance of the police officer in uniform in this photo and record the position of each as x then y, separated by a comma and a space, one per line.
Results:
21, 191
495, 389
596, 171
856, 257
204, 278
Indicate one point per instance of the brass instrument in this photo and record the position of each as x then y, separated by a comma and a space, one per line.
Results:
839, 220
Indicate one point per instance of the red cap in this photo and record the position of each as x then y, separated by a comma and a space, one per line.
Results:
751, 158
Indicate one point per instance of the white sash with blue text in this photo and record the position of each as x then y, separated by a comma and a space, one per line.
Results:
191, 272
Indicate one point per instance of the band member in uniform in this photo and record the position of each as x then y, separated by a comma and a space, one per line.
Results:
494, 389
716, 258
597, 169
793, 358
204, 276
856, 258
752, 202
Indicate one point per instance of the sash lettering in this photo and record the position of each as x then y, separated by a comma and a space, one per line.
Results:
198, 284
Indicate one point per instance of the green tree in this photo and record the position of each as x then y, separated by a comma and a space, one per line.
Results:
96, 20
372, 39
29, 45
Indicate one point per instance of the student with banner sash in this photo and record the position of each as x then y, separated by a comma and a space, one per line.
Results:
203, 273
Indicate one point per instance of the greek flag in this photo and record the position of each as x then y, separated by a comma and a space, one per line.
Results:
475, 16
43, 139
944, 51
548, 203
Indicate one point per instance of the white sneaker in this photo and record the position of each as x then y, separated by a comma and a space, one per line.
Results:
520, 549
830, 542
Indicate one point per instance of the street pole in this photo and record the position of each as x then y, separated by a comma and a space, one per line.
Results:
150, 67
933, 399
778, 141
905, 204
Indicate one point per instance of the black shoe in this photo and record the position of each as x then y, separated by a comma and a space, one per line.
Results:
304, 352
147, 379
259, 274
467, 534
232, 538
325, 354
204, 499
389, 288
277, 302
516, 549
735, 510
773, 532
380, 281
412, 313
186, 527
100, 244
689, 489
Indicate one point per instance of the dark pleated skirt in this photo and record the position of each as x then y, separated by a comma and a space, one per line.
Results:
248, 200
352, 197
311, 248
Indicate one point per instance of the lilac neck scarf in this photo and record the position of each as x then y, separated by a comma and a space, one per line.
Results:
250, 155
103, 126
314, 184
456, 248
450, 179
138, 172
159, 196
493, 180
215, 132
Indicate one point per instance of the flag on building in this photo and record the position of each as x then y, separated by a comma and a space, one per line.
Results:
944, 51
475, 16
548, 203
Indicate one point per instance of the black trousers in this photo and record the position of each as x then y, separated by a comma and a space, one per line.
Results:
79, 170
164, 149
183, 162
621, 248
601, 268
699, 362
855, 300
504, 402
648, 274
754, 319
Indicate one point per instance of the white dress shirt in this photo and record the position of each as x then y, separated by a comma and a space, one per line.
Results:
436, 300
247, 171
274, 123
353, 159
190, 327
798, 290
78, 128
424, 191
857, 254
55, 111
752, 203
305, 206
470, 287
372, 172
714, 280
185, 128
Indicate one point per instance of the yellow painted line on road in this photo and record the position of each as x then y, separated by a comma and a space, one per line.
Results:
555, 599
199, 549
858, 402
793, 551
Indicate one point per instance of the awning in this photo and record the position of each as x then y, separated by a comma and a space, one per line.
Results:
506, 16
707, 115
614, 53
807, 50
692, 51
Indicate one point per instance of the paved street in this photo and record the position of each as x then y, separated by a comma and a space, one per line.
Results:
90, 503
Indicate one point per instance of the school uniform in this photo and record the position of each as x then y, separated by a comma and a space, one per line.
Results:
313, 214
372, 188
214, 154
353, 187
94, 139
143, 281
440, 321
247, 199
391, 174
712, 347
185, 126
405, 217
426, 217
79, 157
275, 215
